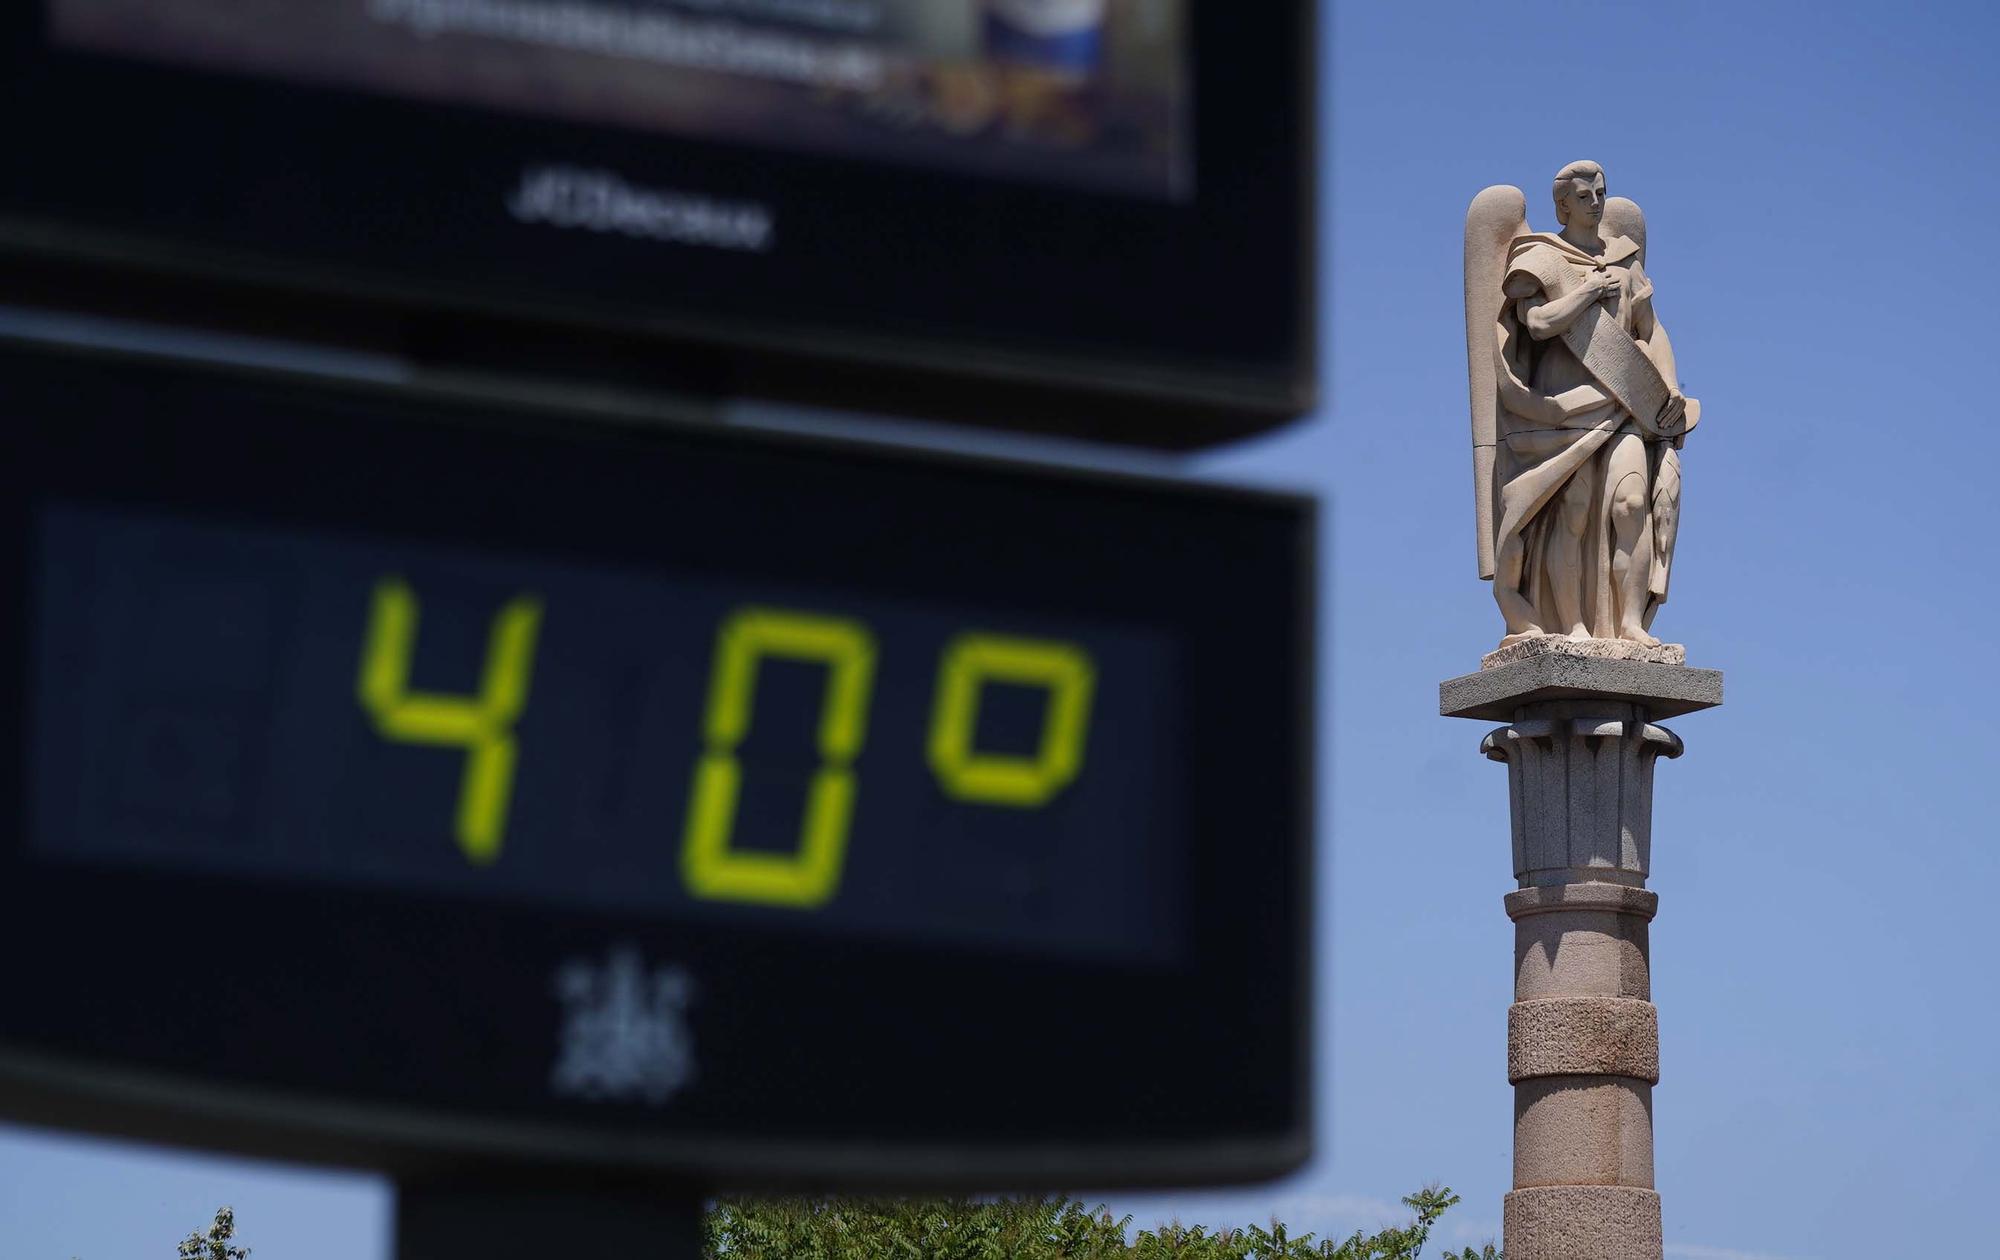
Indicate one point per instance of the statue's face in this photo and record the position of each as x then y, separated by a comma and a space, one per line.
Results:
1583, 203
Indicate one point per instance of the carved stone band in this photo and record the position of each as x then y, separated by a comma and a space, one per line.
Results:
1595, 1036
1551, 899
1583, 1223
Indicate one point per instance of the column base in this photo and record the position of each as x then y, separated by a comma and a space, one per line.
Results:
1583, 1223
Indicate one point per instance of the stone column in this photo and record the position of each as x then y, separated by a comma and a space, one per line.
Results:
1580, 742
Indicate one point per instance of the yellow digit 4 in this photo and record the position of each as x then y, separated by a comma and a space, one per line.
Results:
809, 876
483, 725
971, 661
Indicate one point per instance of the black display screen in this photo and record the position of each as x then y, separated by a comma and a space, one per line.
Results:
653, 742
1086, 216
415, 777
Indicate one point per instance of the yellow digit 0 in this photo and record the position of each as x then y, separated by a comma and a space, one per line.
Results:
809, 876
483, 725
971, 661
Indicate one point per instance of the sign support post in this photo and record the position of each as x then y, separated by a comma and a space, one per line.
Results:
498, 1214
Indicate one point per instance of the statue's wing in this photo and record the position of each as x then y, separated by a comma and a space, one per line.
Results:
1497, 215
1623, 217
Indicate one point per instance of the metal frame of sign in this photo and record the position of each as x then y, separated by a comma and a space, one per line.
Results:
412, 1031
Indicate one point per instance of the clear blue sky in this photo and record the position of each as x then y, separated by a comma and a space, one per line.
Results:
1821, 180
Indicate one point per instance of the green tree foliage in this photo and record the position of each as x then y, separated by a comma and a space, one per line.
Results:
1033, 1229
970, 1229
216, 1244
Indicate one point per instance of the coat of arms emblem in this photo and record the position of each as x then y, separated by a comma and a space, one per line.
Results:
625, 1035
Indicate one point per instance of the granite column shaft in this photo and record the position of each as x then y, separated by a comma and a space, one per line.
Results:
1580, 744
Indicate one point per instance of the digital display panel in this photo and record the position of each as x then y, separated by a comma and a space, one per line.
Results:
1090, 93
273, 703
409, 777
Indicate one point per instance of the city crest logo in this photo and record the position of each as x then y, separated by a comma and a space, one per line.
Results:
624, 1035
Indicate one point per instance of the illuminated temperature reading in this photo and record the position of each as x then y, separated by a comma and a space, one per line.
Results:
483, 725
970, 663
712, 868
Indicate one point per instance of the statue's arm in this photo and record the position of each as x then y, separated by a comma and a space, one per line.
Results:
1545, 411
1648, 331
1652, 338
1545, 317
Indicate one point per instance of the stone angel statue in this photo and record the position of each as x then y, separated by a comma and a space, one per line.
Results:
1577, 418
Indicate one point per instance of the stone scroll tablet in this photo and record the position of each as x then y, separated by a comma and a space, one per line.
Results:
1623, 369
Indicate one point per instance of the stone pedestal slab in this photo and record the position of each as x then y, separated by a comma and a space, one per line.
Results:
1497, 694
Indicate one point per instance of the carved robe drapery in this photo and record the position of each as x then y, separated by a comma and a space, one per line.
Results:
1535, 462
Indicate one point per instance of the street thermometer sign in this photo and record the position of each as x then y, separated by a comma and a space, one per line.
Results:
415, 780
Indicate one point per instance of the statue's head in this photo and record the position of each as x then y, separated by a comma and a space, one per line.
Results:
1579, 193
